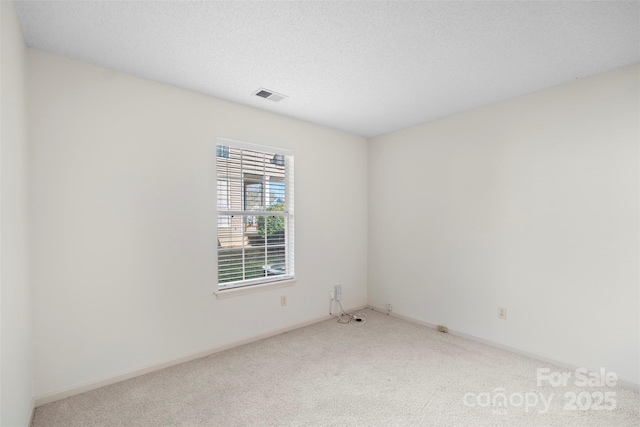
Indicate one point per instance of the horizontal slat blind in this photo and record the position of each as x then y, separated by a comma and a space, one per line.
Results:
255, 214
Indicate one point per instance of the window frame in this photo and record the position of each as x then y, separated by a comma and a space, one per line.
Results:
268, 280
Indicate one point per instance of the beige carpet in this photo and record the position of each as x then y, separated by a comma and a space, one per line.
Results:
384, 371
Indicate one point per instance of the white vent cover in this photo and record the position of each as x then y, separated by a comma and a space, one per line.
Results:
269, 94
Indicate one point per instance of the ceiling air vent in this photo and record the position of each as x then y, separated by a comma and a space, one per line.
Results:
269, 94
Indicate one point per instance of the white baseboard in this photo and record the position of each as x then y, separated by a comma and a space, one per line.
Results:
624, 383
92, 385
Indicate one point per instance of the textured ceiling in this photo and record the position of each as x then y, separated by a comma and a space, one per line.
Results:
363, 67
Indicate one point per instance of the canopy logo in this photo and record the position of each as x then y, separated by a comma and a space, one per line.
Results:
595, 399
500, 401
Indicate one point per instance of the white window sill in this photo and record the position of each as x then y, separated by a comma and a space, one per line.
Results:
235, 292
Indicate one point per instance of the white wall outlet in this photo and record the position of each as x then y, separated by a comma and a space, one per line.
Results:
283, 300
389, 307
337, 293
502, 313
331, 295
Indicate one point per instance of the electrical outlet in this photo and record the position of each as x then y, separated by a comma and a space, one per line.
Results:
337, 294
331, 296
389, 307
283, 300
502, 313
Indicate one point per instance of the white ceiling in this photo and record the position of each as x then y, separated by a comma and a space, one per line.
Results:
363, 67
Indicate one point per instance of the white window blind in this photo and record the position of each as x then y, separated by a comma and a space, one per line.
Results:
223, 201
255, 214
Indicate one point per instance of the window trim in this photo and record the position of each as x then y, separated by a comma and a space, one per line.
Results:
244, 290
266, 282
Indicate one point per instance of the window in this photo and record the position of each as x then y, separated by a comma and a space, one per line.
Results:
223, 201
222, 151
255, 214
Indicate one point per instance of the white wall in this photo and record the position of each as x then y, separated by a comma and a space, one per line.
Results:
529, 204
124, 226
16, 383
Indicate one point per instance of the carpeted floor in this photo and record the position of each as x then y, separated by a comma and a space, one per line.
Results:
385, 371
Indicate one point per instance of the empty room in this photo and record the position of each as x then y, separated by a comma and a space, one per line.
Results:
287, 213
